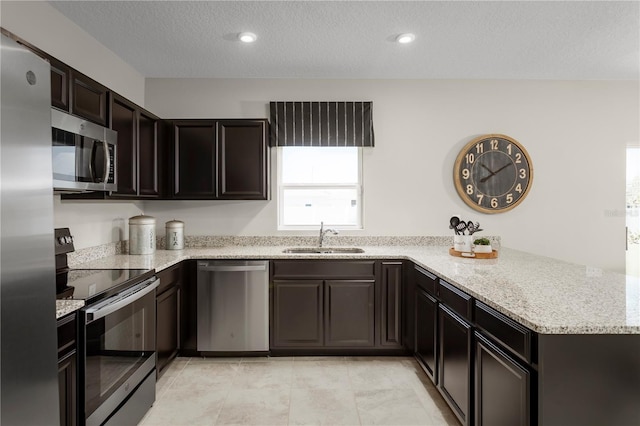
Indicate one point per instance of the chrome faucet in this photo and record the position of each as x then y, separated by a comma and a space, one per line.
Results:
323, 232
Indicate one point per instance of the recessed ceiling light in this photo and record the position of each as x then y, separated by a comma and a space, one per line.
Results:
406, 38
247, 37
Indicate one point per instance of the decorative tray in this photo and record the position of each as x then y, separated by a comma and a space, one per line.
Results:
492, 255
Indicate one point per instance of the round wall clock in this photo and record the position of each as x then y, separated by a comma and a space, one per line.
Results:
493, 173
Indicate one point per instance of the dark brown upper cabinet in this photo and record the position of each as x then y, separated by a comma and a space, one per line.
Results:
150, 158
138, 151
220, 159
194, 159
59, 85
88, 98
242, 159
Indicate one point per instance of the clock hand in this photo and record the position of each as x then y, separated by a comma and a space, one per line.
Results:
490, 171
484, 179
503, 167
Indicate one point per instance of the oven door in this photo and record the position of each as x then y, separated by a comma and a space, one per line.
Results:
119, 350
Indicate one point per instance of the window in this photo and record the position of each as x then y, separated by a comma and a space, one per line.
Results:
319, 184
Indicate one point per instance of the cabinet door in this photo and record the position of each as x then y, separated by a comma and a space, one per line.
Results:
297, 315
349, 313
502, 388
194, 159
167, 326
59, 85
67, 390
88, 98
148, 155
454, 369
124, 121
391, 304
427, 332
242, 159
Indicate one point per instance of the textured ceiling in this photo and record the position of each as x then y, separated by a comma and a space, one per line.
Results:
354, 39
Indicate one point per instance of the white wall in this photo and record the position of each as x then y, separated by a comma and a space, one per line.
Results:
574, 131
93, 223
43, 26
39, 23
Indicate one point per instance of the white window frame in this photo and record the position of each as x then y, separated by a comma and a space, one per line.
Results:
314, 227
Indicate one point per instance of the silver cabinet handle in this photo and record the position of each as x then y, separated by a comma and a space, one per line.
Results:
222, 268
105, 308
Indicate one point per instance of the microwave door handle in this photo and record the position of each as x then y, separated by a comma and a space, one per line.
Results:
107, 161
97, 313
92, 160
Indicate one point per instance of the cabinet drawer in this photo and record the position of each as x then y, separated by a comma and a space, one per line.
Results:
508, 332
168, 278
426, 280
322, 269
66, 335
455, 299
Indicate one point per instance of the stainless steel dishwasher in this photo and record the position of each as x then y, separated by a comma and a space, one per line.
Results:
233, 306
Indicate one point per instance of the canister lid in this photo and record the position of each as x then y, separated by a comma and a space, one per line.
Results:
142, 220
174, 224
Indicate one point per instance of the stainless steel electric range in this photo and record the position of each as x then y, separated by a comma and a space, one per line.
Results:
116, 337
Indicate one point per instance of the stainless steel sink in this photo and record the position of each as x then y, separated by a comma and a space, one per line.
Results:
323, 250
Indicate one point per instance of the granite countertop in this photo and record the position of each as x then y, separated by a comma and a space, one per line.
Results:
65, 307
548, 296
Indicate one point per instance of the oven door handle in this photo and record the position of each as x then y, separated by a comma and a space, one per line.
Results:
103, 310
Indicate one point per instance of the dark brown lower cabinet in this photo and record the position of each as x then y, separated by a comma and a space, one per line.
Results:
502, 387
167, 326
297, 314
349, 313
168, 315
426, 332
336, 306
67, 377
455, 362
67, 370
391, 304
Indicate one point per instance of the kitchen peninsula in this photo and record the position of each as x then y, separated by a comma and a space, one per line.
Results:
582, 356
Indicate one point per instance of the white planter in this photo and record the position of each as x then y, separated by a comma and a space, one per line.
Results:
462, 243
482, 249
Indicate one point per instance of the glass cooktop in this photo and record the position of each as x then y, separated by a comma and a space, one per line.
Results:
93, 284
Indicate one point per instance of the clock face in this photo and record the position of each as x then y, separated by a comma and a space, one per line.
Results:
493, 173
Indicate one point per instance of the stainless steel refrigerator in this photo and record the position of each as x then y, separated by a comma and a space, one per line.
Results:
28, 348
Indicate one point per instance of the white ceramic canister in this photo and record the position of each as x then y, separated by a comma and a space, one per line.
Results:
174, 239
462, 243
142, 234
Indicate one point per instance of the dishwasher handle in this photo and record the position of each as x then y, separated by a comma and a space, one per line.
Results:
228, 268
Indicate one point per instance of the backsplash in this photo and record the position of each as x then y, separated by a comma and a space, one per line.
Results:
97, 252
203, 241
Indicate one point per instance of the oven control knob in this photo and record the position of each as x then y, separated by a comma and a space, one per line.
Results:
61, 240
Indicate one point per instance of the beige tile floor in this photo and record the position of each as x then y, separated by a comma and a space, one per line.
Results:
297, 391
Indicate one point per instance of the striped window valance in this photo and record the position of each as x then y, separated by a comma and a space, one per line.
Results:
321, 123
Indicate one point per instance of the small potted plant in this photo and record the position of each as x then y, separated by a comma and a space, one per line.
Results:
482, 245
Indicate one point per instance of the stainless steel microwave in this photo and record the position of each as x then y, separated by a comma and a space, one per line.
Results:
83, 154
